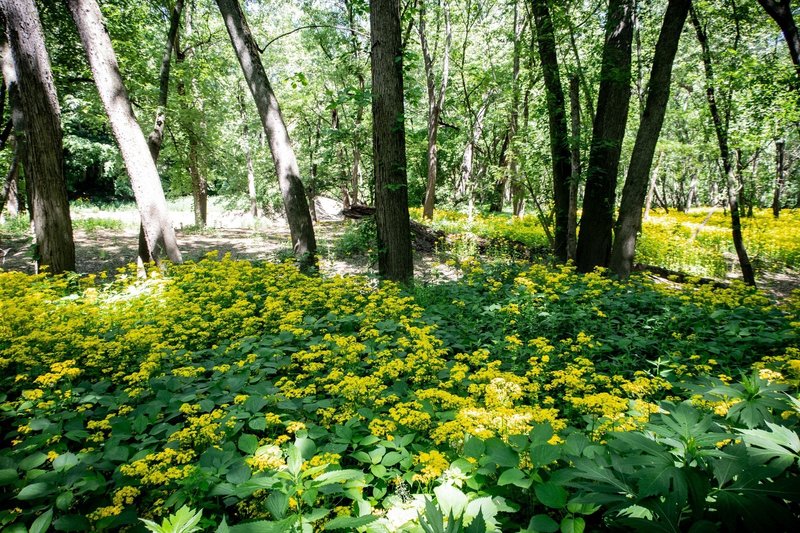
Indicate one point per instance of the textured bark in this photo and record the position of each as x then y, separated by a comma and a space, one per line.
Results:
651, 188
145, 181
575, 166
466, 184
388, 142
629, 222
781, 13
594, 241
156, 137
559, 135
748, 275
248, 154
44, 154
355, 172
286, 168
435, 101
11, 188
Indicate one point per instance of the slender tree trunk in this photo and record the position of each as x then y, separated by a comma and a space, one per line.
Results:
286, 168
779, 177
347, 196
748, 274
467, 160
388, 142
44, 160
435, 101
559, 136
10, 199
781, 13
355, 172
575, 166
594, 241
146, 184
629, 223
156, 137
651, 188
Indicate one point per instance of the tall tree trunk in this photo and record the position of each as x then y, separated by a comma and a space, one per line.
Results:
355, 171
286, 168
559, 136
467, 160
388, 142
651, 188
594, 241
44, 162
575, 166
629, 222
156, 137
146, 184
10, 195
435, 101
720, 129
781, 13
779, 177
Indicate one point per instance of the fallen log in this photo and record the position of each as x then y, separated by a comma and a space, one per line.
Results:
424, 239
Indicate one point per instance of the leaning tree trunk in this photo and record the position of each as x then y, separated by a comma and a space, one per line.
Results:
559, 135
594, 240
286, 168
748, 275
629, 223
44, 161
388, 143
781, 13
145, 181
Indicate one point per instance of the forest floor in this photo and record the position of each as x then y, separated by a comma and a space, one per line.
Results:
236, 232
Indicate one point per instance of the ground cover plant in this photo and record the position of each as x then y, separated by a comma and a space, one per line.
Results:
519, 397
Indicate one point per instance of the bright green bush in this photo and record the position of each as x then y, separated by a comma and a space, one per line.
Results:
253, 392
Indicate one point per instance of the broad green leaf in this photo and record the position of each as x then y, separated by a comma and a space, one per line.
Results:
33, 491
514, 476
8, 476
573, 525
450, 500
42, 523
248, 443
543, 523
551, 495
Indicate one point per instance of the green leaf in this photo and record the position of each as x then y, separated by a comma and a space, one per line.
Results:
573, 525
8, 476
32, 461
266, 526
248, 443
543, 524
551, 495
277, 503
501, 453
295, 460
338, 476
64, 500
306, 446
391, 459
451, 500
64, 462
514, 476
42, 523
474, 447
349, 522
33, 491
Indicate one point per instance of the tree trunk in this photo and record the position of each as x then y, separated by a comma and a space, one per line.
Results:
44, 162
156, 137
651, 188
10, 196
388, 143
629, 223
781, 13
286, 168
594, 241
575, 166
779, 177
146, 184
435, 101
748, 274
559, 136
467, 160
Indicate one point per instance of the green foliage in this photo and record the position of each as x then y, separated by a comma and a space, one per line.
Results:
360, 238
521, 397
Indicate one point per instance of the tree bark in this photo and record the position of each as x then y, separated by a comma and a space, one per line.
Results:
44, 154
248, 154
559, 136
10, 188
575, 166
294, 197
720, 129
435, 101
467, 160
779, 177
629, 222
156, 137
145, 181
388, 143
781, 13
594, 241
